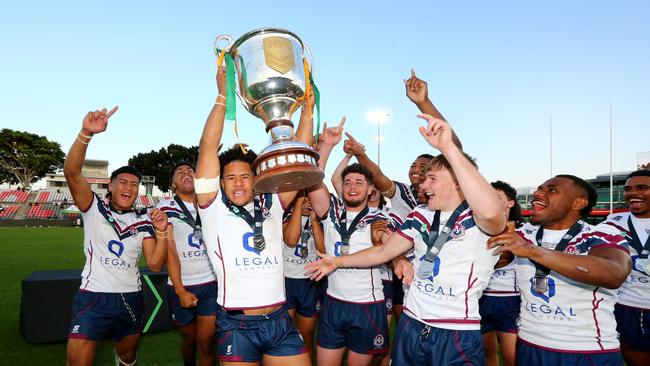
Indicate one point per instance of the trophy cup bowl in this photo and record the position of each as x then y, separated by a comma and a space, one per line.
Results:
272, 80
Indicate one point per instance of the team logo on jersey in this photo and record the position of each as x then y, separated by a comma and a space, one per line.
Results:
361, 225
617, 218
379, 340
248, 243
641, 264
529, 231
457, 231
546, 296
116, 247
193, 243
133, 231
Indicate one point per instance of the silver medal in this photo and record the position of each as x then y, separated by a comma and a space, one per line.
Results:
304, 252
425, 269
259, 243
198, 235
540, 284
344, 249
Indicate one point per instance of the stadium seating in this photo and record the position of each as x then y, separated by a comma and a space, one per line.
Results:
9, 212
44, 211
14, 196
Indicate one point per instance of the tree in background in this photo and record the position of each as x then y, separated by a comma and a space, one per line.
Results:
159, 163
26, 157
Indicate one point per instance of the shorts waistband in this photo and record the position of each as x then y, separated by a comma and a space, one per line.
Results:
238, 314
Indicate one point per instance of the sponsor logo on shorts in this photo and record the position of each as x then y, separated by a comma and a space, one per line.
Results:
379, 340
75, 329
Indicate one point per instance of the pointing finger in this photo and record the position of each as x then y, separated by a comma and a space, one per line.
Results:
412, 73
113, 110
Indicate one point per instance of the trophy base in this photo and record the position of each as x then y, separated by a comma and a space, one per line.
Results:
283, 169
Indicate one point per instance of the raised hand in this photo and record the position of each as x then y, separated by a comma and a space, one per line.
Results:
159, 219
416, 89
511, 241
437, 133
321, 268
352, 146
96, 122
332, 136
188, 299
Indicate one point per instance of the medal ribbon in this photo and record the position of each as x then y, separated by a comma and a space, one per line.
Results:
255, 222
347, 233
436, 240
643, 250
543, 271
194, 223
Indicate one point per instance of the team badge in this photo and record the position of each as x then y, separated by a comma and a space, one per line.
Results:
457, 231
379, 340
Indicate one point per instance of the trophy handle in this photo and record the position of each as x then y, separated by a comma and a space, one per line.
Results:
218, 40
310, 59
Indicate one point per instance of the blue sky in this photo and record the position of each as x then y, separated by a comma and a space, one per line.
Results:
496, 70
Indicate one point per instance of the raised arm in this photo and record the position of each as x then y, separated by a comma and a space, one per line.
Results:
319, 235
417, 91
329, 138
206, 181
380, 181
93, 123
337, 180
155, 251
480, 195
292, 229
304, 135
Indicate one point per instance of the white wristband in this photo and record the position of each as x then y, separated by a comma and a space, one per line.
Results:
206, 185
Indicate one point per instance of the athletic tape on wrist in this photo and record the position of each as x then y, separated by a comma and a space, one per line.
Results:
206, 185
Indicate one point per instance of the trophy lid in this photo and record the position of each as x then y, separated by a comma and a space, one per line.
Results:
262, 31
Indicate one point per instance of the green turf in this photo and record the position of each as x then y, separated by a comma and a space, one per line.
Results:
24, 250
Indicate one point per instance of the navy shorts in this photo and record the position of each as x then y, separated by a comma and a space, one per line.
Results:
207, 305
362, 328
398, 291
388, 295
419, 344
527, 355
302, 295
99, 315
499, 313
246, 338
633, 325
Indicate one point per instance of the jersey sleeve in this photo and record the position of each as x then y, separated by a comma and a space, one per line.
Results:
414, 224
607, 236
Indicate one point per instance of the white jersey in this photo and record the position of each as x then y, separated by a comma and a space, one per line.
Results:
635, 291
358, 285
192, 254
246, 278
395, 222
449, 297
294, 263
404, 200
503, 282
112, 246
571, 316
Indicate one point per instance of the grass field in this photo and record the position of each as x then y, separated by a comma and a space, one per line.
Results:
24, 250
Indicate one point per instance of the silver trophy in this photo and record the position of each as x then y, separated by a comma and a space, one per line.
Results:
272, 80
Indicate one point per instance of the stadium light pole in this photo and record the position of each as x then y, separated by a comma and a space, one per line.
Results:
378, 117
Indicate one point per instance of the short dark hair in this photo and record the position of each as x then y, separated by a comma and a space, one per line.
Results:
639, 173
511, 193
180, 164
441, 161
235, 153
126, 169
357, 168
587, 189
425, 156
